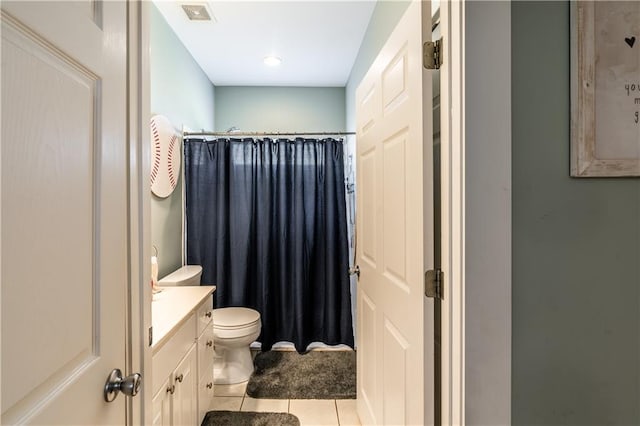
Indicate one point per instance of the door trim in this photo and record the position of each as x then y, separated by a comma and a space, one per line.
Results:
452, 217
476, 101
139, 409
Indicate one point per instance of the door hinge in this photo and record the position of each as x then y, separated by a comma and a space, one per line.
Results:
434, 283
150, 335
432, 54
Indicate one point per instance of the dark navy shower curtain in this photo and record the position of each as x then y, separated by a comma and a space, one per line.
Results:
267, 221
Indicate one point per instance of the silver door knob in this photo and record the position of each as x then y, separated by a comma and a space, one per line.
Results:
115, 384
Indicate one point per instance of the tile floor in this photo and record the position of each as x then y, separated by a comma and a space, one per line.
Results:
314, 412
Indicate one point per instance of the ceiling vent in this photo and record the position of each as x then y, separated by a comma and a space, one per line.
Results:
198, 12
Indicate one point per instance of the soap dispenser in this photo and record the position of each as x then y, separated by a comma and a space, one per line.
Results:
154, 272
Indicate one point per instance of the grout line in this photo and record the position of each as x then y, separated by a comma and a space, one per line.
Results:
335, 403
242, 403
289, 406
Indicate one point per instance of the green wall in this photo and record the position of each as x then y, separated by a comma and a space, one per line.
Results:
181, 91
287, 109
576, 250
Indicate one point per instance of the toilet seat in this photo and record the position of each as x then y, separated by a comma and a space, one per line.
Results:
235, 318
236, 327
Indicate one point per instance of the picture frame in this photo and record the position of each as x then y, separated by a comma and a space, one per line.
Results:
605, 89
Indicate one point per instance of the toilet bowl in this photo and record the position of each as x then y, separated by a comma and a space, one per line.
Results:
234, 329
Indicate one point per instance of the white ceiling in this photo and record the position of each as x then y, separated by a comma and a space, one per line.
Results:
317, 40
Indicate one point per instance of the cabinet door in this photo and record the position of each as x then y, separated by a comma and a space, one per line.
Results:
185, 400
162, 405
205, 371
205, 395
205, 351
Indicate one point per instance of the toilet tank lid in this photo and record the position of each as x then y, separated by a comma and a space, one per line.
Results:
233, 317
182, 274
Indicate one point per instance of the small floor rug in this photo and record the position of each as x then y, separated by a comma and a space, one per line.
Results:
313, 375
249, 418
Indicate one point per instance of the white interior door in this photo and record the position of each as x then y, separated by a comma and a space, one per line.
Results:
395, 229
64, 210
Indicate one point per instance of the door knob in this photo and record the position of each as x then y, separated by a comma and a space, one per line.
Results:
115, 384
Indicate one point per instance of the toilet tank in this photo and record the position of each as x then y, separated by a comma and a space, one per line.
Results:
186, 275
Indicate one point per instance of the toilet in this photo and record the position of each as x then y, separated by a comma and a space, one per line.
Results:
234, 329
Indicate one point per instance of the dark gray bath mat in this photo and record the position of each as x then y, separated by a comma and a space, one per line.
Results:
314, 375
249, 418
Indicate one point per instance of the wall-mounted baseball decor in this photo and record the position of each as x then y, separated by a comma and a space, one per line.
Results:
165, 156
605, 89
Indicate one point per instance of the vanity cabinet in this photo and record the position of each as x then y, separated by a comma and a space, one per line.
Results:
182, 362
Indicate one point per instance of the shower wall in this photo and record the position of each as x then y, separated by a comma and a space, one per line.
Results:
283, 109
292, 109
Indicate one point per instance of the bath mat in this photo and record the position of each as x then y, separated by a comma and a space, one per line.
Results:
314, 375
249, 418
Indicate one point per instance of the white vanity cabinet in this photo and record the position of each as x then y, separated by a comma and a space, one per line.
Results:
182, 363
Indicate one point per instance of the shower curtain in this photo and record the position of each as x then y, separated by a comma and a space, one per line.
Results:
267, 221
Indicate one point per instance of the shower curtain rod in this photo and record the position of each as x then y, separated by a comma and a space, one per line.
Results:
232, 134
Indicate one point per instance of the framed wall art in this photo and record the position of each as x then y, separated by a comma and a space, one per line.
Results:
605, 88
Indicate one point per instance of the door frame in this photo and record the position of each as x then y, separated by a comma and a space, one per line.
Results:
459, 43
139, 409
476, 212
452, 212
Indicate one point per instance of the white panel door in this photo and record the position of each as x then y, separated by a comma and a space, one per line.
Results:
395, 229
64, 210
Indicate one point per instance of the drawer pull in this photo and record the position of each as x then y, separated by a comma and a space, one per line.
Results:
209, 385
179, 378
209, 342
171, 389
208, 314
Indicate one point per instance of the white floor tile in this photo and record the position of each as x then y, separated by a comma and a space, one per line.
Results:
230, 390
227, 403
265, 405
314, 411
347, 412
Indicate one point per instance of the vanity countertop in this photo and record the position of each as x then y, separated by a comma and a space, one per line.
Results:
172, 306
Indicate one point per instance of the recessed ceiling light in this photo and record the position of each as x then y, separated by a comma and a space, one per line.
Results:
272, 61
198, 12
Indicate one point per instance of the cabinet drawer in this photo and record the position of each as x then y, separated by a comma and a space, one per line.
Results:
204, 314
171, 352
205, 351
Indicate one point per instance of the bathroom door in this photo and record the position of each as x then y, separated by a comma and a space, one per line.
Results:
395, 230
64, 210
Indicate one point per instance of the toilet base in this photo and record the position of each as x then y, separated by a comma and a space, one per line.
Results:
232, 365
